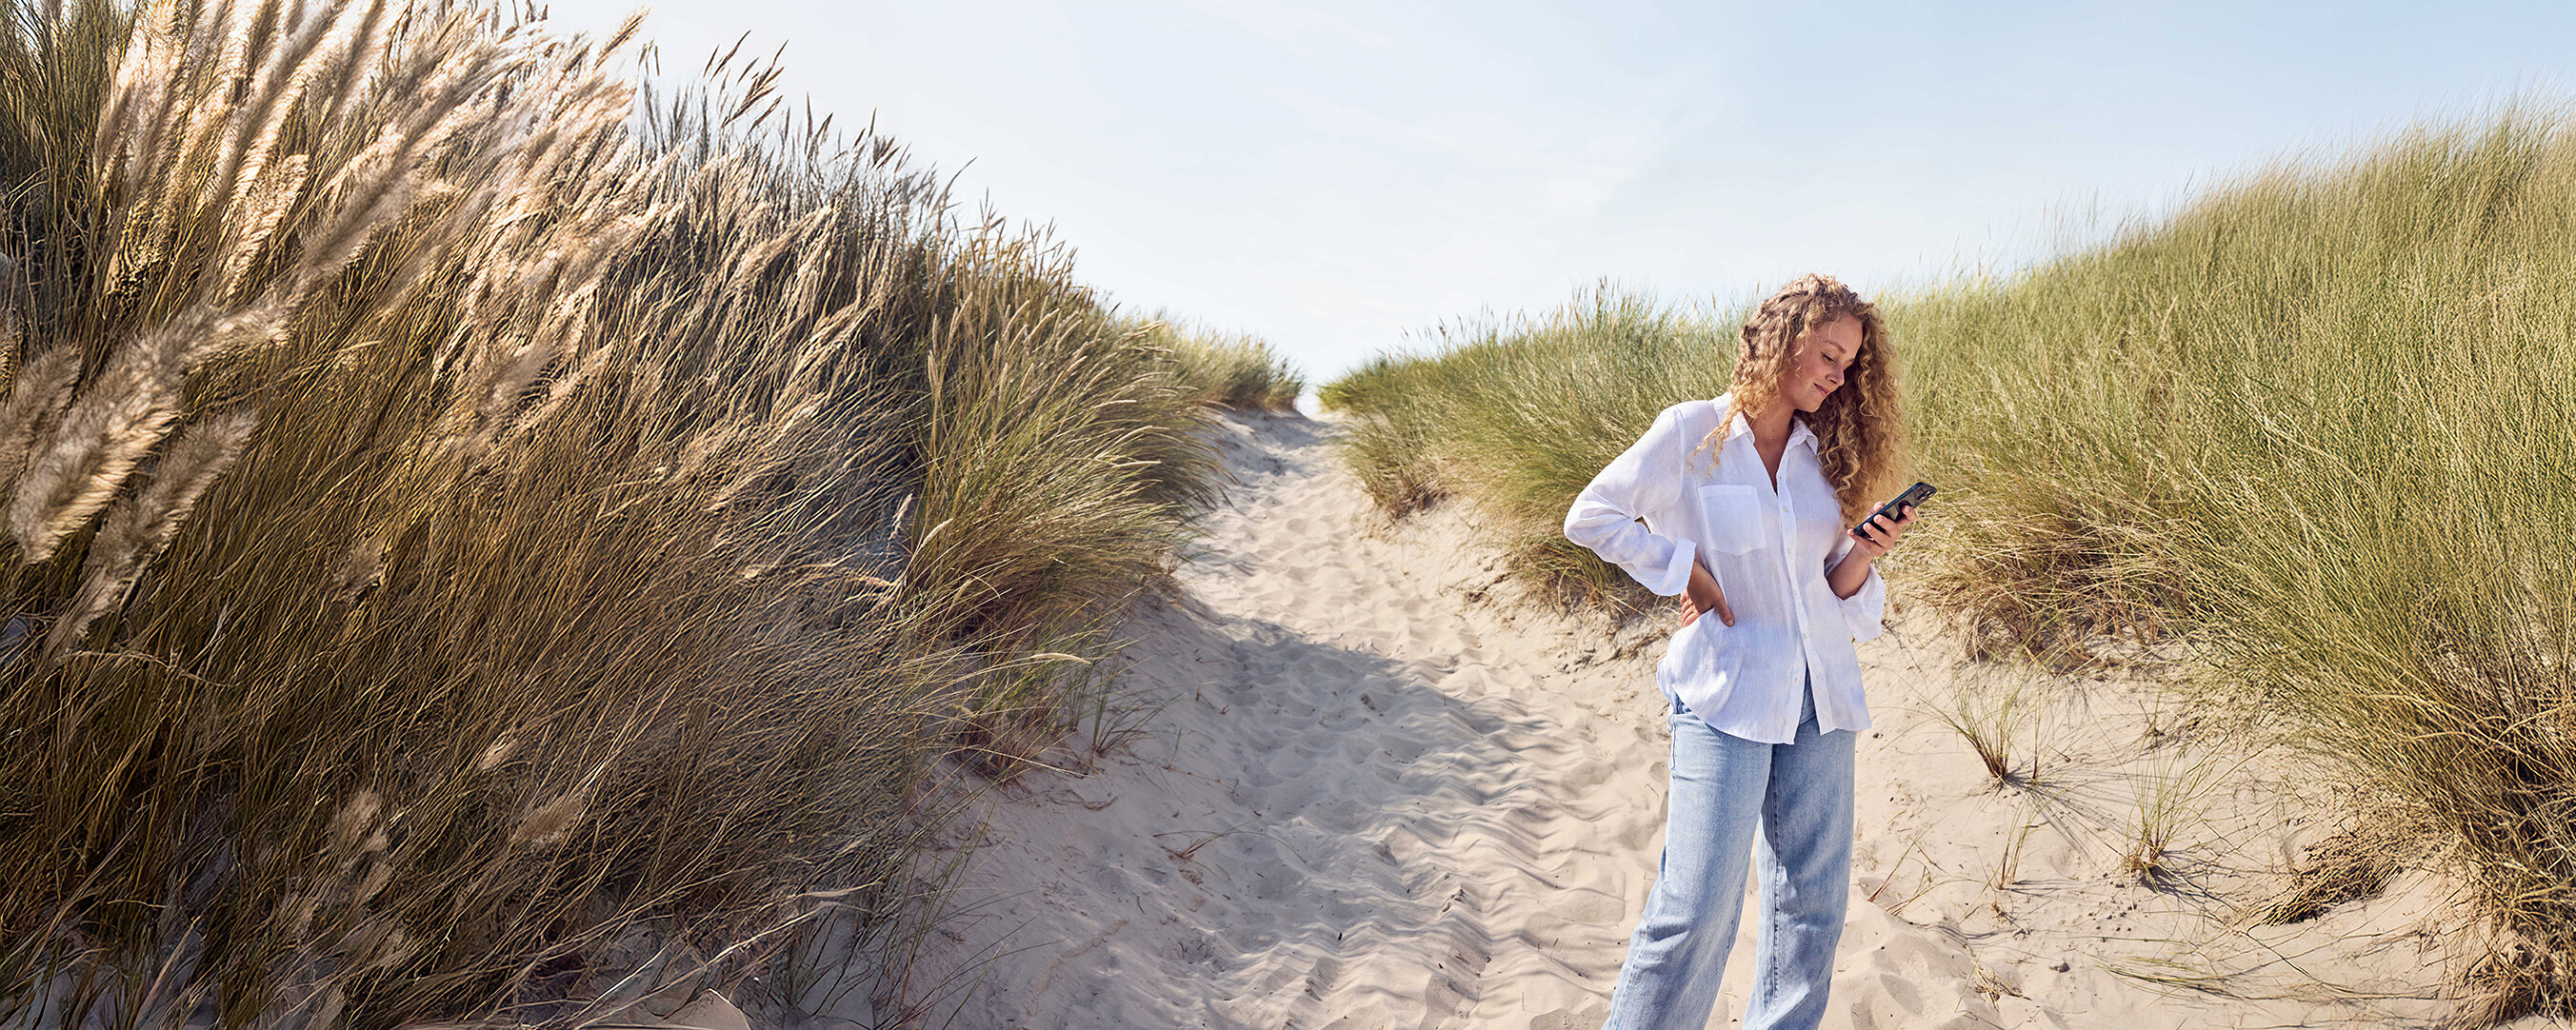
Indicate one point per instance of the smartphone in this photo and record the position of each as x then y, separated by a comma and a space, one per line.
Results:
1913, 496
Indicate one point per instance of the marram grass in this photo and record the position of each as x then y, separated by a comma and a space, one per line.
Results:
465, 533
2318, 426
1225, 369
1516, 414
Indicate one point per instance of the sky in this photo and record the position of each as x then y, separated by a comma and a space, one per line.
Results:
1340, 177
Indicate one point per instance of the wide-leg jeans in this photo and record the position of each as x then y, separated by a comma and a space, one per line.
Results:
1735, 803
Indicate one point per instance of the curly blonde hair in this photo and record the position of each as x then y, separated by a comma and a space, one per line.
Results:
1859, 429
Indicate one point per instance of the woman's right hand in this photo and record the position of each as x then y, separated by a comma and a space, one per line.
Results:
1702, 595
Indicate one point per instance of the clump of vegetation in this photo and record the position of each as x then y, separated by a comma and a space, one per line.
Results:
2319, 422
2357, 863
1517, 414
1231, 370
2317, 425
2166, 803
459, 533
1989, 716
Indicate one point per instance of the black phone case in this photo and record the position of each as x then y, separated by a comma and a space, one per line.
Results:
1913, 497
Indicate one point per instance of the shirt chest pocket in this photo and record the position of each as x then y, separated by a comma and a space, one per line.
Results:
1733, 515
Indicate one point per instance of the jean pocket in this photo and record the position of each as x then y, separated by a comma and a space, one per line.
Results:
1733, 515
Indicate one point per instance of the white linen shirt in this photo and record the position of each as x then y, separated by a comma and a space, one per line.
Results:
1768, 549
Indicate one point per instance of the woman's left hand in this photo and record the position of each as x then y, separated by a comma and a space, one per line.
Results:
1880, 534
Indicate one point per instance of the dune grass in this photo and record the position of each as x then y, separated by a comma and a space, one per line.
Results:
468, 535
1989, 717
1232, 370
2320, 425
2316, 427
1516, 414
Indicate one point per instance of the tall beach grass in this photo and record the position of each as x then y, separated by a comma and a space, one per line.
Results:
2316, 427
484, 545
1233, 370
1516, 414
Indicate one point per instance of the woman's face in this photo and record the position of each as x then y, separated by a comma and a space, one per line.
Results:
1817, 363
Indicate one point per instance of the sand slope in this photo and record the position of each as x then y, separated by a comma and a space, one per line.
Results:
1381, 794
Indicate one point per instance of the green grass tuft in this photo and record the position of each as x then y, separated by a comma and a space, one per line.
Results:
1228, 370
1516, 415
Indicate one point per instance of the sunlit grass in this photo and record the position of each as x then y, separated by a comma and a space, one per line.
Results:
464, 538
1233, 370
2319, 424
1516, 414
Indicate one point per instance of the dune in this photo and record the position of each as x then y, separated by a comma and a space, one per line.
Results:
1378, 789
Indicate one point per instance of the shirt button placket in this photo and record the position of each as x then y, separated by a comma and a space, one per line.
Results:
1797, 600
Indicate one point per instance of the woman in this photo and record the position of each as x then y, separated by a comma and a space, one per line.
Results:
1745, 501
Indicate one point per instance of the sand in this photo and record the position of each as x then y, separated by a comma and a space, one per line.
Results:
1381, 790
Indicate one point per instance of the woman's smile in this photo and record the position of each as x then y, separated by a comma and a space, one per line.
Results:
1824, 355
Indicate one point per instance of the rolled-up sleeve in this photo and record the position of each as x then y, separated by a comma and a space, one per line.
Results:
1866, 609
1644, 478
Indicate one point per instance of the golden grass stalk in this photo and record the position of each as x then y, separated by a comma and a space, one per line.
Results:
37, 395
137, 529
120, 416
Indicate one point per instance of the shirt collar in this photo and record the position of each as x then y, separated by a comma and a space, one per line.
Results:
1798, 431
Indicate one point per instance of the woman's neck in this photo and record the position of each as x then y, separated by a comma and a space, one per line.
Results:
1770, 437
1770, 425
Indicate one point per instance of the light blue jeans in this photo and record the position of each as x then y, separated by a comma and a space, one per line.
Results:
1732, 801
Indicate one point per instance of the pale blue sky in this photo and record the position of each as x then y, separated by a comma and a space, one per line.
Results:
1334, 176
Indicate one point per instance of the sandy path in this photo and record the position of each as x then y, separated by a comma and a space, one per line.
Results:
1380, 795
